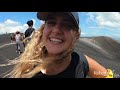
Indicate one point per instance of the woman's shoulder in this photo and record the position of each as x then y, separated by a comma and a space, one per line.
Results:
82, 65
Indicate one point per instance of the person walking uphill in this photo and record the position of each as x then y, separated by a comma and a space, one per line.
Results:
18, 41
50, 53
30, 29
28, 32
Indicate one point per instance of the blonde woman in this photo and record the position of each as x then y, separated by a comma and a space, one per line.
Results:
50, 54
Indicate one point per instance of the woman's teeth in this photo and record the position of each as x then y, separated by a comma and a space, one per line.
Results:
56, 40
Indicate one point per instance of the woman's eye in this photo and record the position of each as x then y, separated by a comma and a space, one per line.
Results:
68, 26
51, 23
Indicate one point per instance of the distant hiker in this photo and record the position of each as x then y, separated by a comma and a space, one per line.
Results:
50, 53
29, 31
12, 37
22, 39
18, 41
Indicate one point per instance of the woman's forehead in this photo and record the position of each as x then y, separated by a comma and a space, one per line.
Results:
63, 16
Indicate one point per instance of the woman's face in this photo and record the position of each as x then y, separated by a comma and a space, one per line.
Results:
58, 33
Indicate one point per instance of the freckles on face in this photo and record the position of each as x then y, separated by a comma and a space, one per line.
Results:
57, 43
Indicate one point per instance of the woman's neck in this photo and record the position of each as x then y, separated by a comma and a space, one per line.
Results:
57, 68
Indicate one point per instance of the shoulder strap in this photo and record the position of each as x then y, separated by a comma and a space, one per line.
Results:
82, 67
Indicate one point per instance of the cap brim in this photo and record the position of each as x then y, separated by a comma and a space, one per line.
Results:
42, 15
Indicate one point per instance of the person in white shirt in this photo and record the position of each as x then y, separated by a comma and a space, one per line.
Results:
18, 41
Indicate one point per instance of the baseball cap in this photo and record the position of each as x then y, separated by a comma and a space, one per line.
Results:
73, 15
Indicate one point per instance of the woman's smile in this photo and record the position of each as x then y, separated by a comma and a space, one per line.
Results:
55, 40
55, 43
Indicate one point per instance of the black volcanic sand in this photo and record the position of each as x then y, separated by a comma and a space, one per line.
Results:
5, 38
104, 50
8, 53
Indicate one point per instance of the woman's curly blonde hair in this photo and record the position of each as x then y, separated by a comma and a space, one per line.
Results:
35, 57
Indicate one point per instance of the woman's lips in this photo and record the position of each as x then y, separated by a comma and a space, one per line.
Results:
56, 40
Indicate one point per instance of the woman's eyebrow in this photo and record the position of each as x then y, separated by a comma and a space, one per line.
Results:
67, 19
50, 17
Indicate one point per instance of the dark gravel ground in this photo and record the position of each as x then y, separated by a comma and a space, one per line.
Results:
103, 49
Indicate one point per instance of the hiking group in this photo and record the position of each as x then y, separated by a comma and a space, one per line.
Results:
22, 38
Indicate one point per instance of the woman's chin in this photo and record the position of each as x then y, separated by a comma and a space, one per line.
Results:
54, 52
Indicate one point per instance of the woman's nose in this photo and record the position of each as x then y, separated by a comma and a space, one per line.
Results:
57, 28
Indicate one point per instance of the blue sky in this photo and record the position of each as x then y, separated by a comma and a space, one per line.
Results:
91, 23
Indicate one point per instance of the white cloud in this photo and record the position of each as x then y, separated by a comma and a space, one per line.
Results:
93, 27
91, 17
10, 22
117, 35
11, 26
82, 33
109, 20
42, 22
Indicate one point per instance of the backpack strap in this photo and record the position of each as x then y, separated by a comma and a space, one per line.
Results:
82, 67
